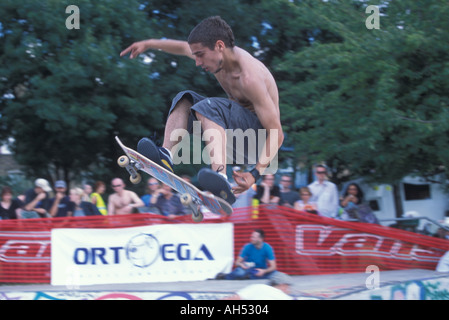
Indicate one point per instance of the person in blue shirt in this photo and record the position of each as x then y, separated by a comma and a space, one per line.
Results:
152, 186
60, 205
255, 261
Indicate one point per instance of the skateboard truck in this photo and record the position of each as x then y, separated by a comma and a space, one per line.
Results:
131, 167
187, 201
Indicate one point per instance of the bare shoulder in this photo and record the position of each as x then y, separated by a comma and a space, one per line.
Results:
257, 81
130, 193
251, 66
254, 71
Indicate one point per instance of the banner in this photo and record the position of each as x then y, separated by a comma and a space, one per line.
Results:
156, 253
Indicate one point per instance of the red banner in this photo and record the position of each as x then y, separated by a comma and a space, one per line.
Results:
303, 243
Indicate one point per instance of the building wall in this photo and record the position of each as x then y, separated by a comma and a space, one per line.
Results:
8, 164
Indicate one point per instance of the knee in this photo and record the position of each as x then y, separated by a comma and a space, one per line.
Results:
184, 104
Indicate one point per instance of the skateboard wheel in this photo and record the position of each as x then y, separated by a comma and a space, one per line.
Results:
197, 217
136, 179
186, 199
123, 161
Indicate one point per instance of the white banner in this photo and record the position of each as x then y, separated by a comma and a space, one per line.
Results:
156, 253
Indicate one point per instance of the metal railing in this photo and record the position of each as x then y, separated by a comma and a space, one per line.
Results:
418, 219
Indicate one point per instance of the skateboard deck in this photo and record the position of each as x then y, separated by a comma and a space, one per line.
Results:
191, 196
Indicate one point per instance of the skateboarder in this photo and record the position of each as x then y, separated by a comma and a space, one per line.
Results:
252, 103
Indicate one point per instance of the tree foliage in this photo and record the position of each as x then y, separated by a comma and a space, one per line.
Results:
66, 92
370, 102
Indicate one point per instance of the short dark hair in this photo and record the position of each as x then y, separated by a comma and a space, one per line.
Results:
210, 30
260, 232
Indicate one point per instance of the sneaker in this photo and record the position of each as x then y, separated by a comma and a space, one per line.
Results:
220, 276
216, 183
157, 154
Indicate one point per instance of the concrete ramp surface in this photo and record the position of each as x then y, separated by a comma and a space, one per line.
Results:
413, 284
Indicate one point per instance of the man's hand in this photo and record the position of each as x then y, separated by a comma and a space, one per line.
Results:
59, 196
41, 196
136, 48
244, 181
260, 272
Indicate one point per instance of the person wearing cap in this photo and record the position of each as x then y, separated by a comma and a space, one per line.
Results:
277, 288
61, 206
37, 202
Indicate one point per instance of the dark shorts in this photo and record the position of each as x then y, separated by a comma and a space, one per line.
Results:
240, 123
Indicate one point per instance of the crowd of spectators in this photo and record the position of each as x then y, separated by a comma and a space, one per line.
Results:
45, 201
320, 197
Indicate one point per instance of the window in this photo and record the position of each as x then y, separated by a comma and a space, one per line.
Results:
374, 205
416, 191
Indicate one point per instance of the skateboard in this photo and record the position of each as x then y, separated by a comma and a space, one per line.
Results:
191, 196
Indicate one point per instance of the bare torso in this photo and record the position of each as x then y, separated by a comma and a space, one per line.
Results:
247, 66
121, 202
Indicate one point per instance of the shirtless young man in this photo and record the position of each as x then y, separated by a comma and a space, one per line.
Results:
253, 101
122, 201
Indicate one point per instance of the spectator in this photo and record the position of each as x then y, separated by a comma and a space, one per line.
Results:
82, 208
243, 199
87, 192
353, 206
267, 192
288, 196
122, 201
305, 204
60, 205
37, 201
278, 288
255, 261
168, 202
324, 193
152, 186
352, 196
97, 199
10, 207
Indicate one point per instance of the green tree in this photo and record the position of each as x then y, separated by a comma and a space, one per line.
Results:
370, 102
65, 93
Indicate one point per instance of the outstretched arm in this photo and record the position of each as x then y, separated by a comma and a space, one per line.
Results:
177, 47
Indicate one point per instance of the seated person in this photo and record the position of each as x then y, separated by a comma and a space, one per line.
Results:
256, 260
305, 204
10, 207
152, 186
267, 192
60, 205
82, 208
37, 201
168, 202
